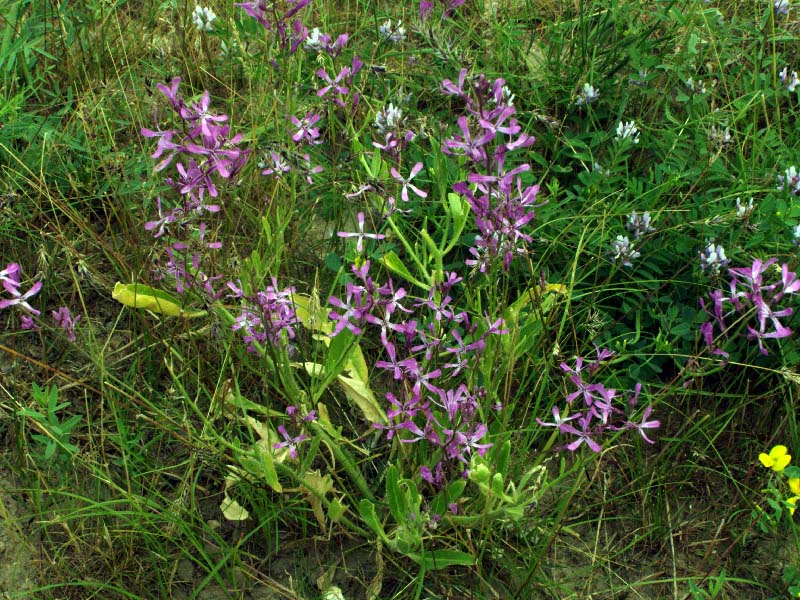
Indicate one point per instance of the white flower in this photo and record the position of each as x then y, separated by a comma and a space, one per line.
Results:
589, 95
796, 233
389, 118
789, 81
790, 180
713, 257
314, 42
696, 87
393, 34
598, 168
639, 225
719, 136
623, 251
743, 210
203, 17
628, 131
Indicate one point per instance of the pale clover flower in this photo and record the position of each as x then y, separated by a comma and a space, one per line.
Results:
639, 225
696, 87
389, 118
781, 7
719, 136
394, 34
315, 42
628, 131
203, 17
713, 258
623, 251
790, 180
789, 80
743, 211
587, 96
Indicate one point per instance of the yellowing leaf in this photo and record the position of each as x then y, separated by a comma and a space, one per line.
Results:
357, 364
137, 295
312, 368
314, 487
232, 510
313, 315
359, 393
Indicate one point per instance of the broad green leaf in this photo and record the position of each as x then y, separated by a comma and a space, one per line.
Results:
503, 456
366, 510
357, 364
313, 315
395, 265
137, 295
440, 559
335, 510
395, 496
360, 394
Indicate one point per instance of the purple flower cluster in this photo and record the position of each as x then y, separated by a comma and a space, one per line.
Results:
278, 16
426, 347
11, 284
267, 316
503, 206
598, 413
337, 89
426, 8
208, 147
391, 124
291, 442
317, 41
10, 278
753, 301
64, 319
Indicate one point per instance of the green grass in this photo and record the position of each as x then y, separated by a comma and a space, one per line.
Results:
126, 449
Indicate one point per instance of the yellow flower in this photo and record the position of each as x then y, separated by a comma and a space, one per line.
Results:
792, 502
794, 485
777, 459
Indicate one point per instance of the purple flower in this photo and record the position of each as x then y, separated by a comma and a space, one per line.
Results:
356, 306
644, 424
11, 275
20, 299
339, 90
27, 322
407, 182
163, 220
289, 441
305, 128
751, 296
584, 434
276, 167
66, 321
360, 235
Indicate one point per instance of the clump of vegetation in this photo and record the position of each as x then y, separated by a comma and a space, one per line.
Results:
345, 299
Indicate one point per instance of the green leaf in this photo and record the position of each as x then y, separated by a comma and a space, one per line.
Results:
392, 262
335, 510
503, 455
395, 496
359, 393
366, 510
137, 295
441, 559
